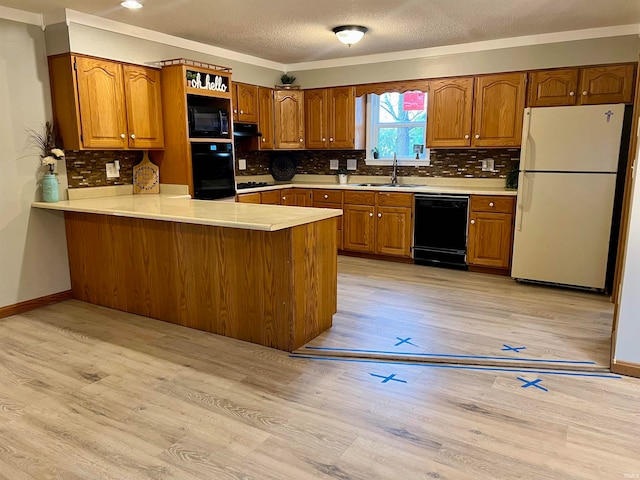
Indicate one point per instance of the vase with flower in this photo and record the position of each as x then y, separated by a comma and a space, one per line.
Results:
49, 157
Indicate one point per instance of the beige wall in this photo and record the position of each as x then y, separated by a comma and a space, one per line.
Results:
583, 52
33, 251
124, 48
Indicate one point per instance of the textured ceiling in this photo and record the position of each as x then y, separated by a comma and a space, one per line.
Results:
292, 31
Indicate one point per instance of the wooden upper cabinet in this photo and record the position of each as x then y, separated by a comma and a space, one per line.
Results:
315, 115
341, 120
609, 84
449, 109
245, 100
499, 109
330, 117
101, 101
289, 119
553, 88
105, 105
265, 118
144, 107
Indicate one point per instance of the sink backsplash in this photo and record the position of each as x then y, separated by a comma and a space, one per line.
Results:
461, 163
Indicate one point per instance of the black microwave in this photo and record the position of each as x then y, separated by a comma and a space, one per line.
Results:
208, 122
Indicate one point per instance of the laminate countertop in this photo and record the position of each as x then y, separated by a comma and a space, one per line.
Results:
182, 209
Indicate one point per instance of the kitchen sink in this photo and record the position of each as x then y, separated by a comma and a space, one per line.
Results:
385, 185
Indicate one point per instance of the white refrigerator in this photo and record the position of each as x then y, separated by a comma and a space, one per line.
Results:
566, 189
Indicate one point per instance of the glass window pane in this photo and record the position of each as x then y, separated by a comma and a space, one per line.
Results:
399, 140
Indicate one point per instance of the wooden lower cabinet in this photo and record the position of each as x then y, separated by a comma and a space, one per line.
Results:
378, 223
248, 197
296, 197
271, 197
490, 238
321, 198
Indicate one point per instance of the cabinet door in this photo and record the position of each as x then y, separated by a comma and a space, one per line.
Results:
289, 119
287, 197
302, 197
101, 98
490, 239
246, 103
393, 231
612, 84
449, 112
265, 118
144, 107
248, 197
271, 197
341, 111
358, 231
553, 88
499, 110
315, 115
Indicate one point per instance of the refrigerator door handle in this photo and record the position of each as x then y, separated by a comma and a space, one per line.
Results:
524, 152
522, 198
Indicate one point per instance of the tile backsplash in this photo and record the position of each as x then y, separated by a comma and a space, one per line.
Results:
88, 168
462, 163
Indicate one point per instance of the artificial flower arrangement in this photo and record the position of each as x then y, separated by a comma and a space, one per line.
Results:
44, 142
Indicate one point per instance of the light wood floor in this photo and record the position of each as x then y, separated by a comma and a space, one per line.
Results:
449, 312
92, 393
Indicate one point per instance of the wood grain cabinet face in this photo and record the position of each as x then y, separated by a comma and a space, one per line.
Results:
253, 197
265, 118
100, 104
271, 197
295, 197
490, 237
320, 198
144, 107
609, 84
499, 110
553, 88
450, 108
101, 101
378, 222
289, 119
245, 109
330, 118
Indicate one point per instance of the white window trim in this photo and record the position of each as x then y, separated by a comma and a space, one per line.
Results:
404, 162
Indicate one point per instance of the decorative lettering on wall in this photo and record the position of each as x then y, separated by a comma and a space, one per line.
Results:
206, 81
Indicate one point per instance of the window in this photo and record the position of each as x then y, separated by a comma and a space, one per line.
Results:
398, 124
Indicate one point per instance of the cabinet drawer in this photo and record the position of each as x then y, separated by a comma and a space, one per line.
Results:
486, 203
395, 199
359, 198
327, 196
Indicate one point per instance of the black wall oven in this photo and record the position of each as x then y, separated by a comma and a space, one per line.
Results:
213, 170
440, 233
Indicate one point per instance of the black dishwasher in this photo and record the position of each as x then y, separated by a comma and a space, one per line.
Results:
440, 233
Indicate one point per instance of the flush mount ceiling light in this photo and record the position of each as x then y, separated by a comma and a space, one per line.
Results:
132, 4
350, 34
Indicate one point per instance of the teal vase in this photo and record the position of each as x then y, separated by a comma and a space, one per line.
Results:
50, 187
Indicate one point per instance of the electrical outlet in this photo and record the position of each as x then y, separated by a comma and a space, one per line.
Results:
333, 164
242, 164
112, 171
487, 165
351, 164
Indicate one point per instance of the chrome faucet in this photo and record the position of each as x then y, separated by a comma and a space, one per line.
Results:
394, 174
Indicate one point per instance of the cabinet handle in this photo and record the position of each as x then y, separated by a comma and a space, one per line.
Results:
284, 198
371, 214
477, 136
133, 136
326, 196
122, 135
466, 136
585, 93
324, 139
473, 222
331, 139
491, 204
264, 139
571, 94
301, 140
235, 111
241, 112
379, 215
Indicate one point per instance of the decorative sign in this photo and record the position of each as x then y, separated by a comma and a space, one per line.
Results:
413, 101
206, 81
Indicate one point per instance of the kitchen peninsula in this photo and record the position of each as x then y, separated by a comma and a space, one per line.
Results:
264, 274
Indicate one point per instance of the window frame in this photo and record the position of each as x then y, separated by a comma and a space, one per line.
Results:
372, 108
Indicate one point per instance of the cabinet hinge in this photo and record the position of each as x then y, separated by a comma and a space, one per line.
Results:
75, 65
81, 137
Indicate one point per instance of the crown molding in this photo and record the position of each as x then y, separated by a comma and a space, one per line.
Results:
85, 19
16, 15
545, 38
